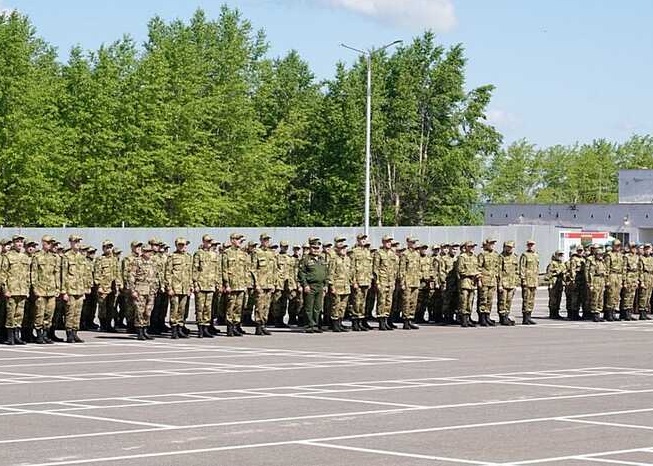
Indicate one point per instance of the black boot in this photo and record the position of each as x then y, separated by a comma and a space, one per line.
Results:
259, 329
230, 330
141, 334
46, 338
596, 317
265, 330
382, 325
406, 326
76, 338
389, 322
629, 316
464, 321
503, 320
69, 336
609, 315
644, 315
212, 330
53, 336
200, 333
173, 333
17, 339
334, 326
206, 330
182, 331
482, 321
147, 335
10, 337
365, 325
489, 321
39, 337
238, 330
356, 325
292, 320
528, 318
412, 326
524, 319
343, 328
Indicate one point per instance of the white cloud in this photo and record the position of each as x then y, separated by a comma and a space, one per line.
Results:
438, 15
501, 118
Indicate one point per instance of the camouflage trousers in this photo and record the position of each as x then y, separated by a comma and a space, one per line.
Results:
339, 305
73, 312
466, 300
555, 297
528, 298
384, 296
15, 311
263, 298
630, 290
613, 292
44, 312
144, 304
596, 295
234, 306
409, 302
203, 306
486, 295
360, 300
504, 300
178, 306
644, 301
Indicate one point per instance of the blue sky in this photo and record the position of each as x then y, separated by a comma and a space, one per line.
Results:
565, 71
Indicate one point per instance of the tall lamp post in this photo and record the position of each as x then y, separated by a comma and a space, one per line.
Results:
368, 138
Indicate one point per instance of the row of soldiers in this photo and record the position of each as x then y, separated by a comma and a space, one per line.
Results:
609, 284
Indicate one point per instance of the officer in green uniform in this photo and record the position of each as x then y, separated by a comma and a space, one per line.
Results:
508, 282
555, 278
615, 281
15, 284
631, 282
74, 283
235, 280
529, 266
178, 281
489, 264
263, 270
468, 280
596, 281
340, 279
46, 285
143, 284
312, 277
645, 282
207, 276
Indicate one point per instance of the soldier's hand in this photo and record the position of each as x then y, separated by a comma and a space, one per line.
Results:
227, 289
307, 289
100, 290
36, 295
7, 294
134, 294
64, 297
591, 288
355, 286
171, 292
258, 288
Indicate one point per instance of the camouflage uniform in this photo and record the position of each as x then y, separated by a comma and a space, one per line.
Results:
284, 265
615, 264
427, 285
383, 270
178, 279
207, 276
645, 282
449, 278
143, 283
489, 264
631, 282
596, 281
508, 282
46, 284
340, 278
409, 279
575, 283
555, 277
468, 275
15, 284
361, 258
161, 299
235, 278
74, 286
107, 279
529, 267
264, 276
129, 311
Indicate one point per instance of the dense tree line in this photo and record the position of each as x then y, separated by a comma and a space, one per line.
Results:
199, 126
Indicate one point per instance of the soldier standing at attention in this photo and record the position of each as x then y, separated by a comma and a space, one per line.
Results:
178, 281
312, 277
383, 271
283, 269
74, 282
46, 283
127, 311
30, 304
575, 283
508, 281
631, 282
160, 311
468, 281
409, 281
206, 278
450, 288
143, 284
529, 266
489, 264
90, 300
596, 275
616, 280
645, 282
106, 276
555, 277
427, 284
235, 280
15, 284
361, 258
340, 280
295, 296
263, 271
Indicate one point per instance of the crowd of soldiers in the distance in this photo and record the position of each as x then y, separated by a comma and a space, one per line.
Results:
312, 286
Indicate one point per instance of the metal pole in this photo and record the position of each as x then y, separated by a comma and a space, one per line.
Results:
368, 143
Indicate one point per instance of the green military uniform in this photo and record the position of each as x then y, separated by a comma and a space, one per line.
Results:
312, 277
645, 282
87, 321
46, 285
15, 285
384, 273
178, 280
450, 284
143, 283
468, 276
161, 300
340, 279
361, 258
409, 275
529, 267
555, 278
74, 286
615, 264
489, 264
575, 283
631, 282
508, 282
235, 278
207, 276
107, 277
427, 283
129, 311
284, 265
295, 295
264, 279
596, 281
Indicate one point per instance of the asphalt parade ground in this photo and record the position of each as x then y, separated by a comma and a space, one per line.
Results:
557, 393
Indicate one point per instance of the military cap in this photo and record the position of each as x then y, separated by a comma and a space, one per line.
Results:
136, 243
509, 244
396, 243
306, 246
106, 243
283, 244
154, 240
206, 238
608, 248
297, 247
91, 249
579, 247
17, 237
490, 240
436, 246
236, 236
616, 242
530, 241
48, 239
445, 245
469, 244
74, 238
4, 241
181, 240
252, 244
117, 251
599, 247
594, 245
632, 244
454, 245
339, 239
328, 244
29, 243
367, 244
215, 241
313, 239
423, 246
559, 253
148, 248
264, 236
341, 245
387, 238
411, 239
274, 246
361, 236
84, 247
647, 245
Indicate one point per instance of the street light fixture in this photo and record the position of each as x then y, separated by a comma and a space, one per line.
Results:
368, 139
